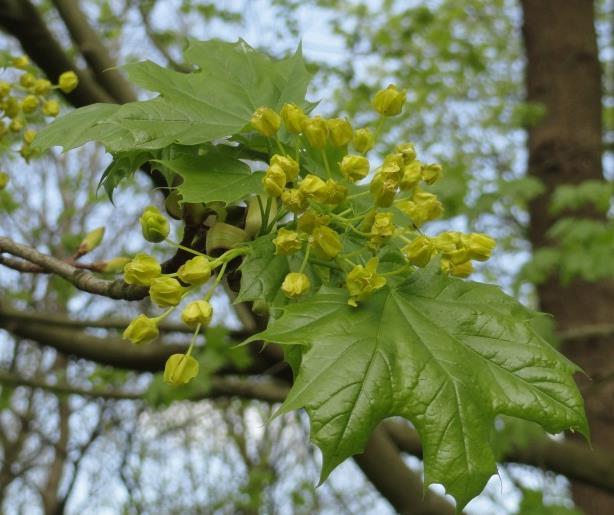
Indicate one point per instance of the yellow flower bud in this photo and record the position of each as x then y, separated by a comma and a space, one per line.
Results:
68, 81
92, 240
51, 108
27, 80
431, 173
166, 291
142, 270
288, 165
383, 190
447, 242
394, 161
180, 369
11, 107
340, 131
274, 180
295, 284
336, 193
29, 104
363, 140
326, 242
461, 270
309, 220
382, 225
312, 187
5, 88
141, 330
293, 117
26, 151
294, 200
408, 152
453, 246
16, 125
195, 271
480, 246
316, 131
197, 312
115, 265
266, 121
389, 101
287, 242
412, 173
422, 208
20, 62
29, 135
4, 180
42, 86
391, 171
354, 167
361, 281
420, 251
154, 225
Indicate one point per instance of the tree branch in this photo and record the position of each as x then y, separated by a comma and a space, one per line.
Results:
94, 51
81, 279
403, 487
267, 391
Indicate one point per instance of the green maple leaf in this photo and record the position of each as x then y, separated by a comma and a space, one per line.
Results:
215, 101
214, 176
262, 271
446, 354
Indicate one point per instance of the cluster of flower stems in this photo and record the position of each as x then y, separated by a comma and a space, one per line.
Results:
318, 216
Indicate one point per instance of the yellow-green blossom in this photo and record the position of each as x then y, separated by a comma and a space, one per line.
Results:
287, 242
197, 313
326, 242
141, 330
266, 121
363, 140
295, 284
288, 165
315, 131
362, 281
154, 225
420, 251
389, 101
195, 271
294, 200
180, 369
166, 291
340, 132
68, 81
274, 180
354, 168
293, 117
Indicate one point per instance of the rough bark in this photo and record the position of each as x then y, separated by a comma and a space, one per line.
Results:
563, 73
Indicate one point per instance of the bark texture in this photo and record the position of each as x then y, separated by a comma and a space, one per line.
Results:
563, 73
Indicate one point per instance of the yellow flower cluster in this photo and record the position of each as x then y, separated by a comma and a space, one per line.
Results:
325, 219
28, 98
324, 204
169, 290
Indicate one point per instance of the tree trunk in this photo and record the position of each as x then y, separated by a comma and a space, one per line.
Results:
563, 73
